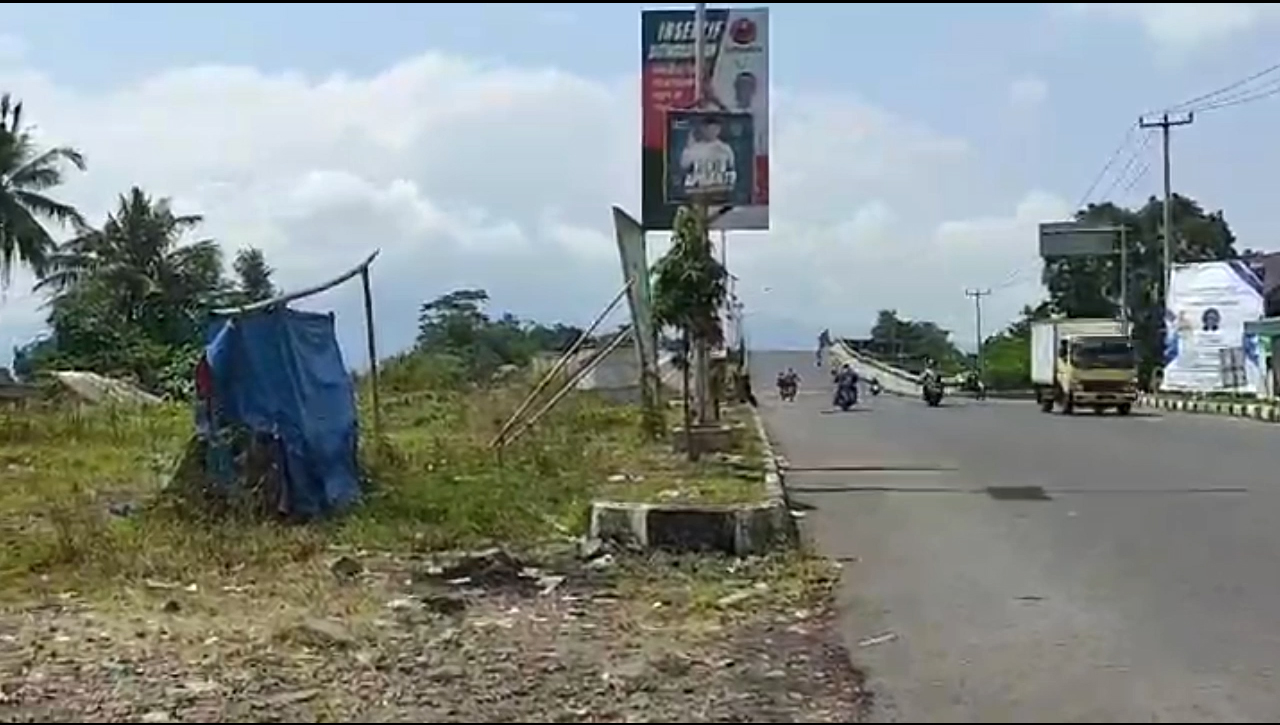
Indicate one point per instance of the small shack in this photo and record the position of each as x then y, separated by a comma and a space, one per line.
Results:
276, 415
277, 378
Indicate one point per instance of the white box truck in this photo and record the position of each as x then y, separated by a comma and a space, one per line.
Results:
1083, 362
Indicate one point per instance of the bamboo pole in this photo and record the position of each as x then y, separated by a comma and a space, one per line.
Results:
560, 364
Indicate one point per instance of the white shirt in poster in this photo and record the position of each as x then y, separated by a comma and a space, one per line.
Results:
708, 164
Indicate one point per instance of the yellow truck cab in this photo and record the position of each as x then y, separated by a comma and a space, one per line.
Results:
1083, 362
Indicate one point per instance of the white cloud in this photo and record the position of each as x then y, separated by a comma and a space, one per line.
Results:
502, 177
1028, 92
1185, 26
12, 49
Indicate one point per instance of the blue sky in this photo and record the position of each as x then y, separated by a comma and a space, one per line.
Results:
964, 161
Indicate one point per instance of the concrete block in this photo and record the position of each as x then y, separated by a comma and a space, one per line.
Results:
692, 528
742, 529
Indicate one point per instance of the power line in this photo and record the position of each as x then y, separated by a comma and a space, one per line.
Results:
1124, 172
1236, 93
1211, 96
1111, 161
1241, 98
1142, 173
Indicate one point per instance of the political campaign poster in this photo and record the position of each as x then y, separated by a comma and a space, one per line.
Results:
1206, 347
737, 83
710, 157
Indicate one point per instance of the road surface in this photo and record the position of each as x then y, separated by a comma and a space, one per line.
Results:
1121, 569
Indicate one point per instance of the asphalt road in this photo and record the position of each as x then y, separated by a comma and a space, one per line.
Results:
1140, 582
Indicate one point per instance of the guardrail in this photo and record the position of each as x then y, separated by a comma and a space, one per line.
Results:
908, 382
891, 379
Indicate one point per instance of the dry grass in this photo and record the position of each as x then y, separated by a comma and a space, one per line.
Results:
654, 474
80, 504
216, 618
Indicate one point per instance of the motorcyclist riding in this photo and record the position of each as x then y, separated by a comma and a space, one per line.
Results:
931, 384
846, 383
977, 385
788, 382
930, 373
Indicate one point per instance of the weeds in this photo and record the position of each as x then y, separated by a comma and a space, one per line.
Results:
81, 503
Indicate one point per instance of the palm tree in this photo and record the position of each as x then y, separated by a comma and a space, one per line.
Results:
156, 281
25, 173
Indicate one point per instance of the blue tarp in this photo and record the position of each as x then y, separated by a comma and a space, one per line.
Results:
281, 372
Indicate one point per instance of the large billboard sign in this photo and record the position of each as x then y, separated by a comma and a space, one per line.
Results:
1207, 307
737, 70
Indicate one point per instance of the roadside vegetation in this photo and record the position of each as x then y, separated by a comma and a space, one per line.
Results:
120, 601
1079, 287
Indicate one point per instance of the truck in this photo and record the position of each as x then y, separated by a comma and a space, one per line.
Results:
1083, 362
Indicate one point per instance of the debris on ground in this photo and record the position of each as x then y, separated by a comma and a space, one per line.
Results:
471, 637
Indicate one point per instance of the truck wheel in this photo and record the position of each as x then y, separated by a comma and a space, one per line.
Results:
1044, 399
1124, 408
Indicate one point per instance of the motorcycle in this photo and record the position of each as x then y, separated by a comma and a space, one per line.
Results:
846, 397
787, 391
932, 392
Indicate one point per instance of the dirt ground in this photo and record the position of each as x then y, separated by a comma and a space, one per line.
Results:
480, 637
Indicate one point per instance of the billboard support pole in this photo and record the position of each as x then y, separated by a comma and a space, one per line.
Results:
700, 356
699, 51
1124, 278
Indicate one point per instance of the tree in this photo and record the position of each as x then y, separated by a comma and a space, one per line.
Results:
1090, 286
451, 323
130, 298
1008, 352
909, 343
455, 325
155, 281
689, 291
253, 275
26, 172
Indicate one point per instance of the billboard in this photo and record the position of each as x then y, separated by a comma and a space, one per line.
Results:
1206, 348
737, 69
1076, 239
710, 158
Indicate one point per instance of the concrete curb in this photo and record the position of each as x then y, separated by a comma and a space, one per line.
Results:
1265, 412
740, 529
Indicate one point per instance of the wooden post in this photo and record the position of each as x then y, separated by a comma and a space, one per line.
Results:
373, 351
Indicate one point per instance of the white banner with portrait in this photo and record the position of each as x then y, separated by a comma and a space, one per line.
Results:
1206, 348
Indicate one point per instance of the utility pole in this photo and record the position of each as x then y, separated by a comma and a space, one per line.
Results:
1164, 122
977, 295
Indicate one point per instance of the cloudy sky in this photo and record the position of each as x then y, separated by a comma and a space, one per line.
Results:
915, 147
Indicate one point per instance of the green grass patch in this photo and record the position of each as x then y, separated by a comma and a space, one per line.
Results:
82, 504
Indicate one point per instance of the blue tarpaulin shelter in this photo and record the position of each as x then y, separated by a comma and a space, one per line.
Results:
279, 373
